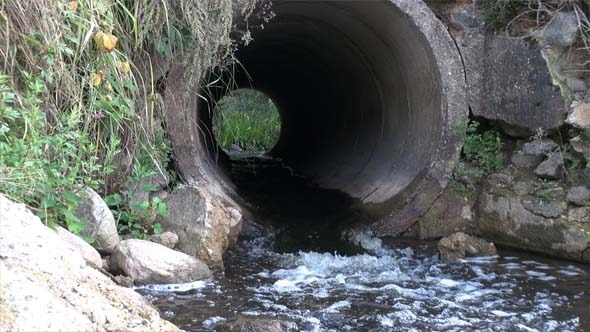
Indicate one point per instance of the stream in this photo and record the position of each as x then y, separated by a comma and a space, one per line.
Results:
320, 270
388, 286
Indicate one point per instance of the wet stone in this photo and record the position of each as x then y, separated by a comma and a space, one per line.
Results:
461, 245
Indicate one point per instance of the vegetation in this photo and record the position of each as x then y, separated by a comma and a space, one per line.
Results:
248, 119
481, 149
77, 96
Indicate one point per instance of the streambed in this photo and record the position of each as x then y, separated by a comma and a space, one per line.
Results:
391, 286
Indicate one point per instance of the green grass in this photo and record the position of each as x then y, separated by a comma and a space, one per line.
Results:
247, 118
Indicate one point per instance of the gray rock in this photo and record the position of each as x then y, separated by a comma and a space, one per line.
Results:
544, 208
502, 218
47, 286
579, 195
91, 256
99, 220
148, 187
461, 245
579, 116
202, 222
551, 168
167, 239
234, 148
580, 215
245, 323
522, 188
540, 147
562, 29
449, 214
576, 84
510, 82
151, 263
555, 192
524, 161
581, 145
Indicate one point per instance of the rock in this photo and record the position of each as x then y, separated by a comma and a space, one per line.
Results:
167, 239
151, 263
203, 223
579, 195
510, 82
562, 29
576, 84
235, 227
540, 147
449, 214
580, 215
106, 264
544, 208
124, 281
581, 145
245, 323
100, 223
461, 245
502, 218
234, 148
90, 255
522, 188
555, 192
47, 286
579, 116
551, 168
523, 161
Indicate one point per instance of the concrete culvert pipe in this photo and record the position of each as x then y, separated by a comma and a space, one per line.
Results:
368, 93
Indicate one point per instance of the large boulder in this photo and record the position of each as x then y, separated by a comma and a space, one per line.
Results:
461, 245
90, 255
151, 263
508, 78
99, 220
203, 223
256, 324
45, 285
525, 223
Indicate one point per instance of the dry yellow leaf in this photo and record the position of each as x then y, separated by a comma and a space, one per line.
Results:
105, 41
124, 66
97, 78
73, 6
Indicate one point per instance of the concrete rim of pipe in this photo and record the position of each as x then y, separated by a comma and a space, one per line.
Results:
369, 92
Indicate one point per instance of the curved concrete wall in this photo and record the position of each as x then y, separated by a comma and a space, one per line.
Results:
368, 93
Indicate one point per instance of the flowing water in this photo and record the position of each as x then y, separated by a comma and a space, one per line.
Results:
393, 286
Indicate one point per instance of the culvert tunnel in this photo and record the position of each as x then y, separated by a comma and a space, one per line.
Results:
368, 92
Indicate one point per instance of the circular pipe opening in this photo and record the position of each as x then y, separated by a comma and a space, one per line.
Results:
368, 92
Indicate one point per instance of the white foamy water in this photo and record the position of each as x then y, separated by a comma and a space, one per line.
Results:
386, 289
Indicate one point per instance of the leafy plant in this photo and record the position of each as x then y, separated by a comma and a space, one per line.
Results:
481, 148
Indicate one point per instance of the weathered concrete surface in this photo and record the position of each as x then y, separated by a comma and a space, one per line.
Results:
202, 222
449, 214
151, 263
45, 285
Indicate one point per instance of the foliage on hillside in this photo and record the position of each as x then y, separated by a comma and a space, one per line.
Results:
76, 98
